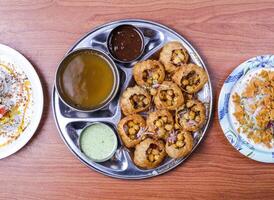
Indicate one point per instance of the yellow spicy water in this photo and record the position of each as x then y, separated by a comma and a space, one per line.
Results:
86, 80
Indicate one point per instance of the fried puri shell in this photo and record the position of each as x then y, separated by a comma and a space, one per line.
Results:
128, 129
181, 145
191, 78
169, 96
149, 153
160, 122
191, 116
134, 99
148, 73
173, 55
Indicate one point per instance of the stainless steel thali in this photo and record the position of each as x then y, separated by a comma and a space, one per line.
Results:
70, 122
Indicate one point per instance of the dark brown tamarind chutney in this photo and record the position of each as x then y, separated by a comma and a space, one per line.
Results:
125, 43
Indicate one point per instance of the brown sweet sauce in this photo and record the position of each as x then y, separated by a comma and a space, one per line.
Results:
125, 43
86, 79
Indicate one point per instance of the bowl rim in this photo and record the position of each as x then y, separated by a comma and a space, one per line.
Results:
115, 86
115, 141
141, 36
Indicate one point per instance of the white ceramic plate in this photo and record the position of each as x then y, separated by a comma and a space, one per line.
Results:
19, 60
234, 83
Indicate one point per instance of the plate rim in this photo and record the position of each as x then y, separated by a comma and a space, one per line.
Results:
40, 99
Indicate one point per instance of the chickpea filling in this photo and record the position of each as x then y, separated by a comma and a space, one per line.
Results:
179, 142
179, 56
189, 81
190, 96
164, 126
168, 96
139, 101
151, 76
153, 91
132, 128
191, 114
153, 153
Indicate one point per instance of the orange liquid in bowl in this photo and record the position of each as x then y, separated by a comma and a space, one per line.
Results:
86, 80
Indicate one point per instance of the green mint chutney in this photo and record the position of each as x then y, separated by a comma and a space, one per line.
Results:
98, 142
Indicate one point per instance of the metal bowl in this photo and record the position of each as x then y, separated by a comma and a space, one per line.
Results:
116, 141
111, 65
109, 45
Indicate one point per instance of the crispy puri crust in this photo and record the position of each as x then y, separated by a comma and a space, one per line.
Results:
154, 116
177, 91
166, 54
126, 106
140, 153
167, 85
191, 125
129, 143
184, 70
142, 66
174, 152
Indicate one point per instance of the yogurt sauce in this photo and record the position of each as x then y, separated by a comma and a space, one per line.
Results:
98, 142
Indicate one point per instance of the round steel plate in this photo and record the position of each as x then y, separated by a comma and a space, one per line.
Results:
70, 122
